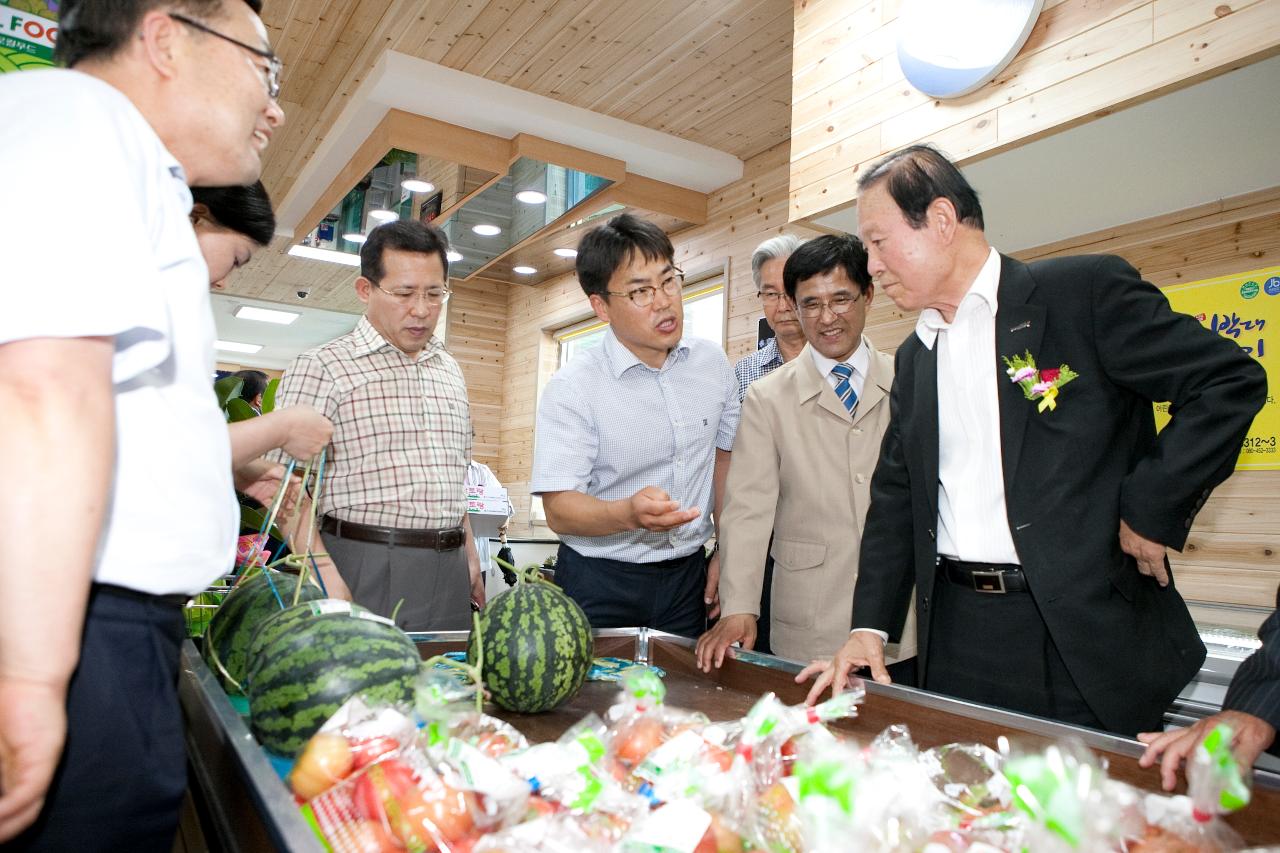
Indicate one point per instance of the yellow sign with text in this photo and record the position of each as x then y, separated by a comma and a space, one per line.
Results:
1246, 309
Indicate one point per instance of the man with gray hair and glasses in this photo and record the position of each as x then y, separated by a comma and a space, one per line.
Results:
788, 339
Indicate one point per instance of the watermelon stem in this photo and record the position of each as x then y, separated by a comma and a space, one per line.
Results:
531, 573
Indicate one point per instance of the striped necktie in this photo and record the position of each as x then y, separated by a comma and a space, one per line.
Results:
844, 390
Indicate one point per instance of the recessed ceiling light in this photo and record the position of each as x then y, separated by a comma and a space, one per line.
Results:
384, 215
566, 253
232, 346
531, 196
453, 256
266, 315
325, 255
354, 237
522, 270
415, 185
486, 230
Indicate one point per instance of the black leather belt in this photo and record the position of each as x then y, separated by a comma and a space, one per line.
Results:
994, 578
445, 539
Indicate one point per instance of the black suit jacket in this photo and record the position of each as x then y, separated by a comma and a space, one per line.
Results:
1255, 689
1071, 474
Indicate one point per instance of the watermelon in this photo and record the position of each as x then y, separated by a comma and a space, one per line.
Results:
533, 645
226, 643
312, 664
288, 619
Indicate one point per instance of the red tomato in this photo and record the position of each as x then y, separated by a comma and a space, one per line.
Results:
324, 762
721, 756
365, 836
439, 816
494, 744
719, 839
634, 740
369, 750
379, 784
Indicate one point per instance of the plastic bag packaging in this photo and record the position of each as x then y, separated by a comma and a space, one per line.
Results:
355, 736
1063, 795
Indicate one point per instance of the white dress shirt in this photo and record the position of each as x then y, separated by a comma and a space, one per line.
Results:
860, 361
973, 521
136, 276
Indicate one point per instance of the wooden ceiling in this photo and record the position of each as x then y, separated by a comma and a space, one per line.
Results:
715, 72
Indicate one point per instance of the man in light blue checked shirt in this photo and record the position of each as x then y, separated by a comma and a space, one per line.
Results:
633, 442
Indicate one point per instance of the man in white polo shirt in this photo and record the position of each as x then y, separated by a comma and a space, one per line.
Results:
118, 498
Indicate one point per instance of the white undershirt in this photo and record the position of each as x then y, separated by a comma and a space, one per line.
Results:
860, 361
973, 521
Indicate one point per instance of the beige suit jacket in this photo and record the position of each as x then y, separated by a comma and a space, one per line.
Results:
801, 470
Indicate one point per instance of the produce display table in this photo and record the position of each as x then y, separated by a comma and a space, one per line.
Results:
251, 809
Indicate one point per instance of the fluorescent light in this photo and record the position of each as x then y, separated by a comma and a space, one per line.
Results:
354, 237
531, 197
415, 185
384, 215
523, 270
453, 256
325, 255
486, 230
232, 346
266, 315
566, 253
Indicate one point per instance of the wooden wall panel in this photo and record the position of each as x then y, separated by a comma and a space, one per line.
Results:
477, 339
739, 217
850, 103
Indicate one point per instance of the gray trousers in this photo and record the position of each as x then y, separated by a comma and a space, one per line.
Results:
434, 586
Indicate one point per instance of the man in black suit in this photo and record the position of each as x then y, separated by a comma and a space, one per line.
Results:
1021, 488
1251, 708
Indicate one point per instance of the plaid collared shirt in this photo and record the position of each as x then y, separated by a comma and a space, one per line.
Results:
757, 365
401, 429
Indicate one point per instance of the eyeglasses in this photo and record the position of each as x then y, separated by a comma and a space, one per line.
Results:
840, 304
642, 297
410, 296
271, 74
768, 297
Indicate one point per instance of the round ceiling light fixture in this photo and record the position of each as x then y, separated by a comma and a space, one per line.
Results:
566, 253
354, 237
453, 256
531, 196
416, 185
486, 230
384, 215
523, 270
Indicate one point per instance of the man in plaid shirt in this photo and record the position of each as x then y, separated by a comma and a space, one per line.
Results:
393, 499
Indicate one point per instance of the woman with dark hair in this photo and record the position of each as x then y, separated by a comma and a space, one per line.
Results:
231, 223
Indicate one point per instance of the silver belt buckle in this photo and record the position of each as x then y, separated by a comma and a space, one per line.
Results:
989, 582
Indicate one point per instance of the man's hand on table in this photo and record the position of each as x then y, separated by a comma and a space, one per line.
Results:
1253, 736
863, 648
712, 646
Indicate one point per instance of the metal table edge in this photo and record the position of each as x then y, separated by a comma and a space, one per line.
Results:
285, 823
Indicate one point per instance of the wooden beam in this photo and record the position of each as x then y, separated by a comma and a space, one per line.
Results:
436, 138
658, 197
524, 145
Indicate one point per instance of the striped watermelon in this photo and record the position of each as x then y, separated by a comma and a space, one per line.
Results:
305, 671
533, 644
288, 619
226, 642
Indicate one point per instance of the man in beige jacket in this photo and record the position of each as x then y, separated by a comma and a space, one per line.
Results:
804, 454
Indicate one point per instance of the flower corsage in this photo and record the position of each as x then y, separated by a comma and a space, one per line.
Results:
1038, 384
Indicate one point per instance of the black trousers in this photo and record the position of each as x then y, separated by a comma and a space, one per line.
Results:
123, 772
995, 649
614, 594
766, 606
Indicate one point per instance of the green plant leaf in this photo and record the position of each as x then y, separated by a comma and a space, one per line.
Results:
227, 388
238, 410
269, 396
